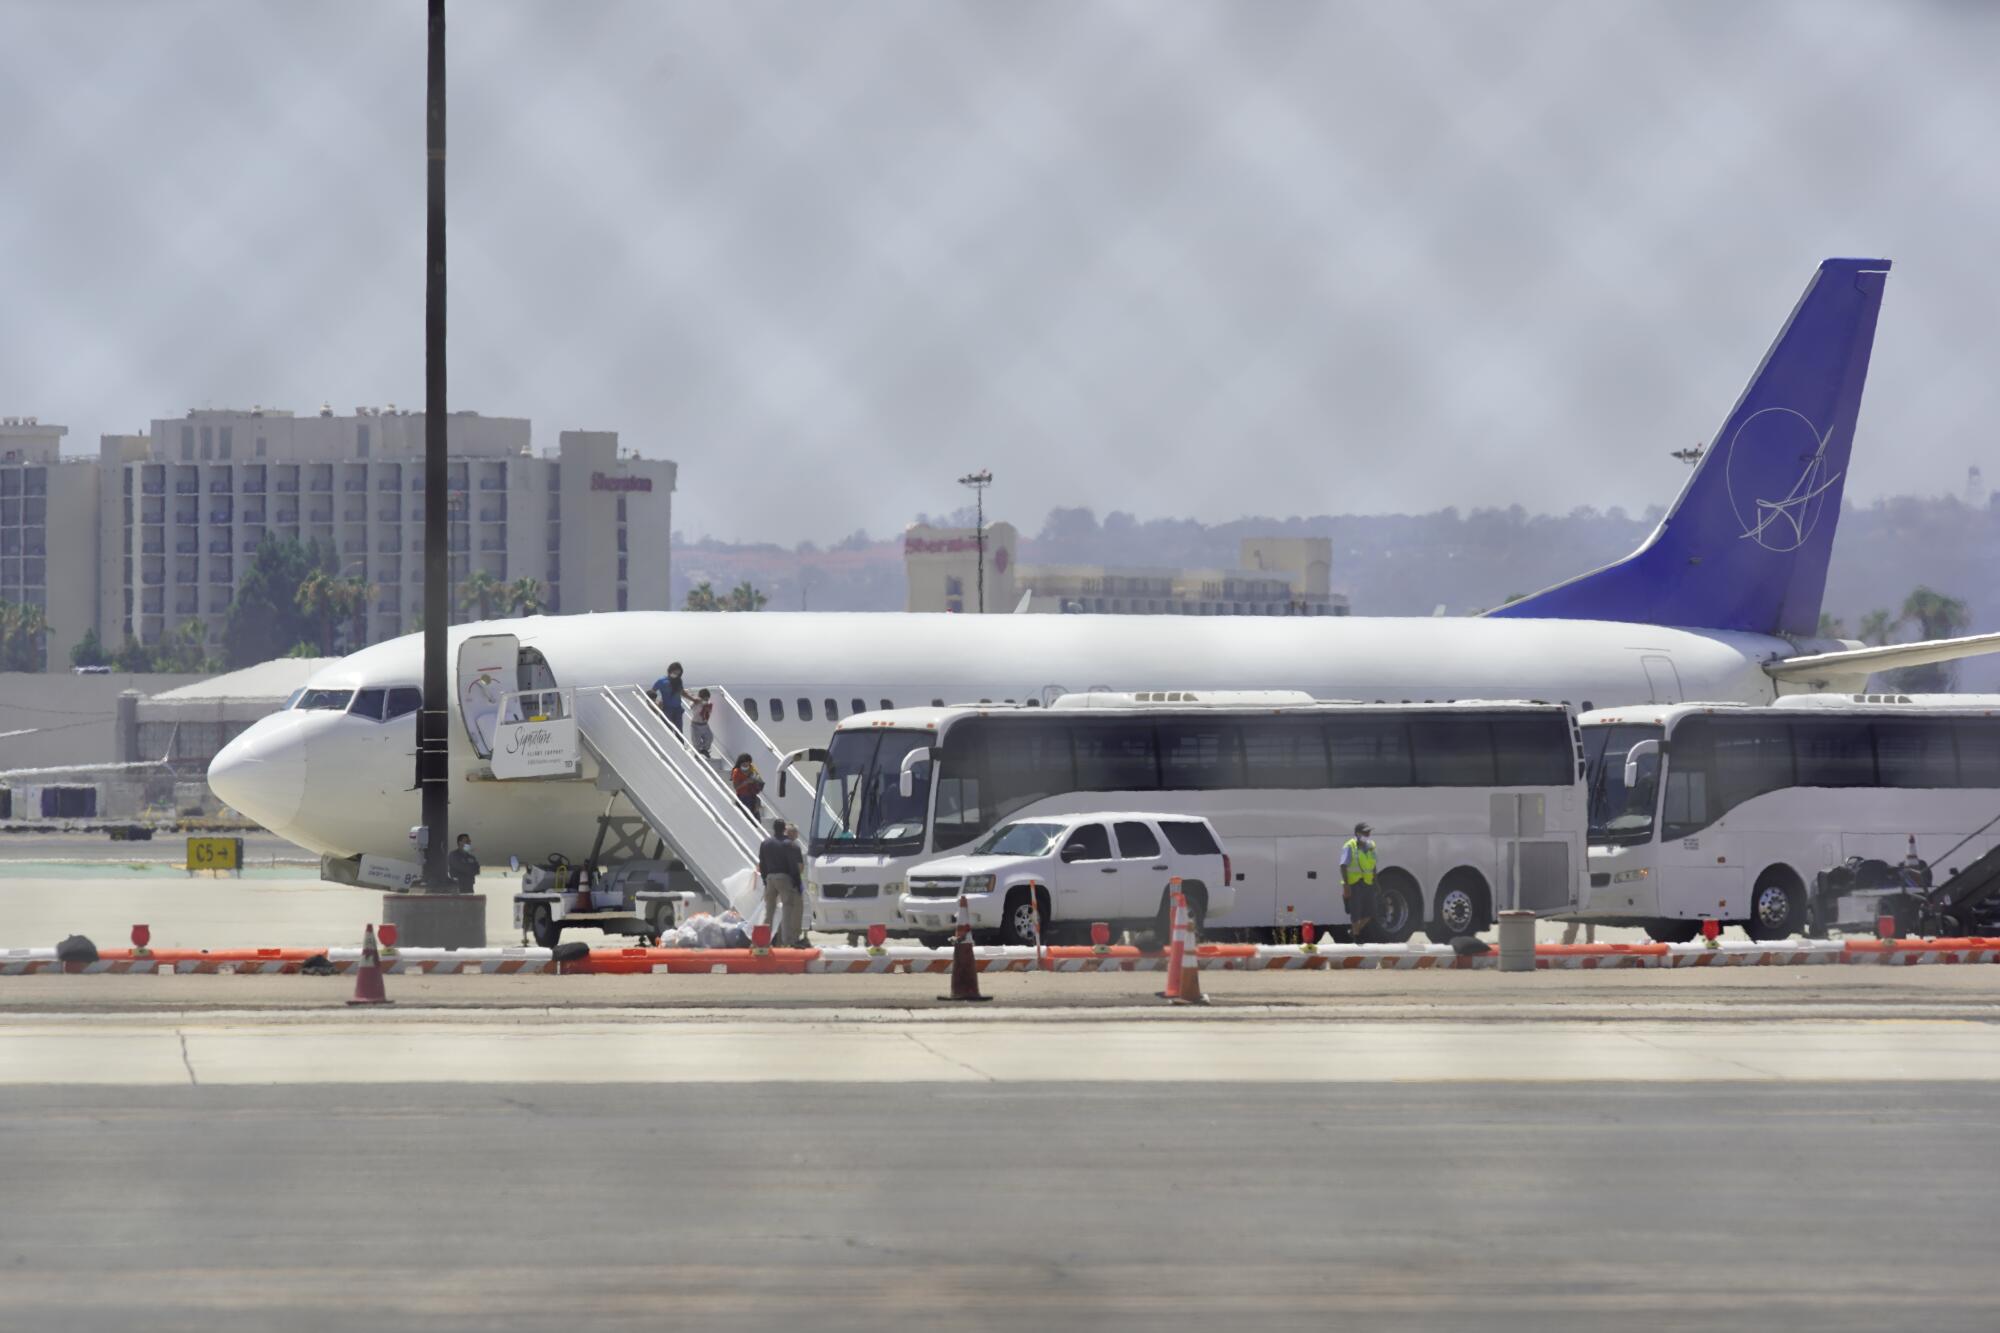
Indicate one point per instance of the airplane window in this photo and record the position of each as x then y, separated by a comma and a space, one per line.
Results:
860, 705
330, 701
777, 710
887, 704
805, 710
293, 702
832, 711
937, 703
369, 704
750, 707
404, 700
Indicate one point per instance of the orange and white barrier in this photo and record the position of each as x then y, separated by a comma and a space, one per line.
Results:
862, 961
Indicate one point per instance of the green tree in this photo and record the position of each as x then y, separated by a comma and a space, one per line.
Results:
701, 597
265, 618
323, 598
22, 645
744, 597
1937, 616
132, 656
185, 650
524, 596
1876, 627
357, 593
1831, 626
89, 651
481, 590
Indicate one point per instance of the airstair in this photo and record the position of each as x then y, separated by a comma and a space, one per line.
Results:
684, 798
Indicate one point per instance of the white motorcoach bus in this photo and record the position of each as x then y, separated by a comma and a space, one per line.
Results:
1728, 811
1467, 800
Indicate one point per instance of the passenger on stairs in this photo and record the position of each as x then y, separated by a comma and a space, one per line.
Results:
781, 864
749, 785
699, 733
671, 694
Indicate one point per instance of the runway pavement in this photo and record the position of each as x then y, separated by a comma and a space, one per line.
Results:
1837, 1206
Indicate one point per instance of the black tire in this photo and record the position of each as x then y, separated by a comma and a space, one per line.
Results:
937, 939
1398, 908
543, 925
1777, 907
1461, 910
1672, 932
1018, 922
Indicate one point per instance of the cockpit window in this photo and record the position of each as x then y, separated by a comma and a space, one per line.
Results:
404, 700
368, 704
293, 701
331, 701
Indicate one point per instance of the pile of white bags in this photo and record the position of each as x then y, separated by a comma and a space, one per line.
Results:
703, 931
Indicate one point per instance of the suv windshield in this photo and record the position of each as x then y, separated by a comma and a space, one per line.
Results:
1620, 814
859, 805
1018, 840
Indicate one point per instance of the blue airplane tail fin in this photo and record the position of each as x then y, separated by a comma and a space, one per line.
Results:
1746, 545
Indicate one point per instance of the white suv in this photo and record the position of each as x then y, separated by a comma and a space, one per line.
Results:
1073, 869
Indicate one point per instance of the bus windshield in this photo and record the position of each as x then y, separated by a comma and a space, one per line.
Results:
860, 806
1620, 814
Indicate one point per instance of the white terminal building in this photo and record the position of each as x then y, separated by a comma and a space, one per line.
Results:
1277, 576
160, 528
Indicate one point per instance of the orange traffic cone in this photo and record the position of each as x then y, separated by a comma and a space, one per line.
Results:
368, 978
1183, 974
964, 973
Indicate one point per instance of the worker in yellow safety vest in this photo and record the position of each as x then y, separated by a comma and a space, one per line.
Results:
1357, 880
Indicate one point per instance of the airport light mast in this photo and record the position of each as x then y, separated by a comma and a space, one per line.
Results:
979, 481
434, 738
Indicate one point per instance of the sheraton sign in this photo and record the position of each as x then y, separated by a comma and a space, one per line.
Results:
600, 482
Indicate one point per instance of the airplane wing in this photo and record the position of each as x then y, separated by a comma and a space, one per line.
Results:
1867, 661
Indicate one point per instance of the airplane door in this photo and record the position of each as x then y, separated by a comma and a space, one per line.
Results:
1663, 679
486, 667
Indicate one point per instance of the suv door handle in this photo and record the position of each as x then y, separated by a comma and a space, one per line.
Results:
1107, 870
1161, 866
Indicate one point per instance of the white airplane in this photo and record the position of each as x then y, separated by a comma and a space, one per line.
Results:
1720, 603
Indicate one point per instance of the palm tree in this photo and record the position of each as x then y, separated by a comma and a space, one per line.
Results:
1876, 627
21, 626
524, 595
1831, 626
481, 590
745, 597
324, 597
701, 597
1937, 615
356, 593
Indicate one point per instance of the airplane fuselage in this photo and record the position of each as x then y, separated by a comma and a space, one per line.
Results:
343, 784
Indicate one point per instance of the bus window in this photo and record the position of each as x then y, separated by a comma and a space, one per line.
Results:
1915, 753
1750, 758
1452, 751
1116, 756
1284, 753
1197, 754
1834, 752
1532, 751
1369, 751
1978, 752
1135, 841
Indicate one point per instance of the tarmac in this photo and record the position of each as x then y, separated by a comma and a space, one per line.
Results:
1708, 1148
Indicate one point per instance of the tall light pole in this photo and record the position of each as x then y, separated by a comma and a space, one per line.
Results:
979, 481
434, 737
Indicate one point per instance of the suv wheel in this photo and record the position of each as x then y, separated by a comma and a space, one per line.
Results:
1024, 911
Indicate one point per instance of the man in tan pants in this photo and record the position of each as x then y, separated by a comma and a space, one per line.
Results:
781, 864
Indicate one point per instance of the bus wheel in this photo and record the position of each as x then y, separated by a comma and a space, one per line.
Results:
1672, 932
1398, 908
1461, 908
1777, 906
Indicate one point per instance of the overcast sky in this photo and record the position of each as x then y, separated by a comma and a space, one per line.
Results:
1173, 257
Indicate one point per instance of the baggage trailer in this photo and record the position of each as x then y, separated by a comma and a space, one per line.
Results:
1857, 894
635, 898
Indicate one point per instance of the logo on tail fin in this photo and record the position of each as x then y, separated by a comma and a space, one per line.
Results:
1773, 447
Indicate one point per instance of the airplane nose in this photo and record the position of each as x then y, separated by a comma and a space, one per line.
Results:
262, 773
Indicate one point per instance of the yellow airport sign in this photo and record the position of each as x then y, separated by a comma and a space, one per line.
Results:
214, 854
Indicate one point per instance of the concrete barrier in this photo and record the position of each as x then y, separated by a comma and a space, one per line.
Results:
1070, 959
